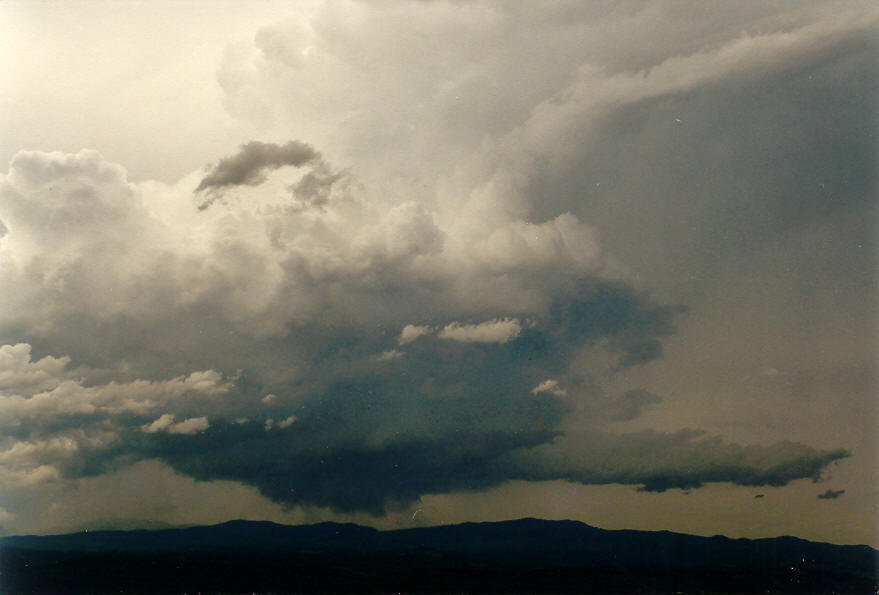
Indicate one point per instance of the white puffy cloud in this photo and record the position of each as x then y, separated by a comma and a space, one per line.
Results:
286, 423
561, 243
549, 386
404, 232
21, 375
499, 330
411, 332
255, 265
193, 425
44, 390
29, 477
32, 461
160, 424
54, 422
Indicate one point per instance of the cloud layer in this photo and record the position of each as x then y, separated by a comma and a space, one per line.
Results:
439, 315
305, 305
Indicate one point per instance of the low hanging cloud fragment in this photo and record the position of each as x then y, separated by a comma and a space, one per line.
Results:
248, 166
411, 332
685, 459
158, 425
549, 386
165, 423
492, 331
831, 494
189, 426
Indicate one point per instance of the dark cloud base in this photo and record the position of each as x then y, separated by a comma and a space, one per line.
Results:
449, 416
364, 431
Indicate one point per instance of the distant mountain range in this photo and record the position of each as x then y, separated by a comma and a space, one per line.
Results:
526, 555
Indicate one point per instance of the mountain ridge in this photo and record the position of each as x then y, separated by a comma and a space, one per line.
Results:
18, 540
527, 554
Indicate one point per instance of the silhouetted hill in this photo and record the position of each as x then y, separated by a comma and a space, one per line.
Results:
232, 535
525, 555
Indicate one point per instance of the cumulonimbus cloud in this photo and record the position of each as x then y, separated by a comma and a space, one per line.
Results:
456, 410
306, 315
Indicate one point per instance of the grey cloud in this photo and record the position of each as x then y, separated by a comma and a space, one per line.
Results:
633, 324
639, 353
351, 457
452, 416
685, 459
730, 179
369, 433
831, 494
248, 165
367, 447
630, 404
316, 186
487, 53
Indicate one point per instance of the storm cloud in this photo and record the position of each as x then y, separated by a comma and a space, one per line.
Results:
489, 285
380, 438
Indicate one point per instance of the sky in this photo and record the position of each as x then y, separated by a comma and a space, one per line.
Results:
415, 263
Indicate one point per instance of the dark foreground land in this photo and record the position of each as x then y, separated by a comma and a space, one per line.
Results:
525, 556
